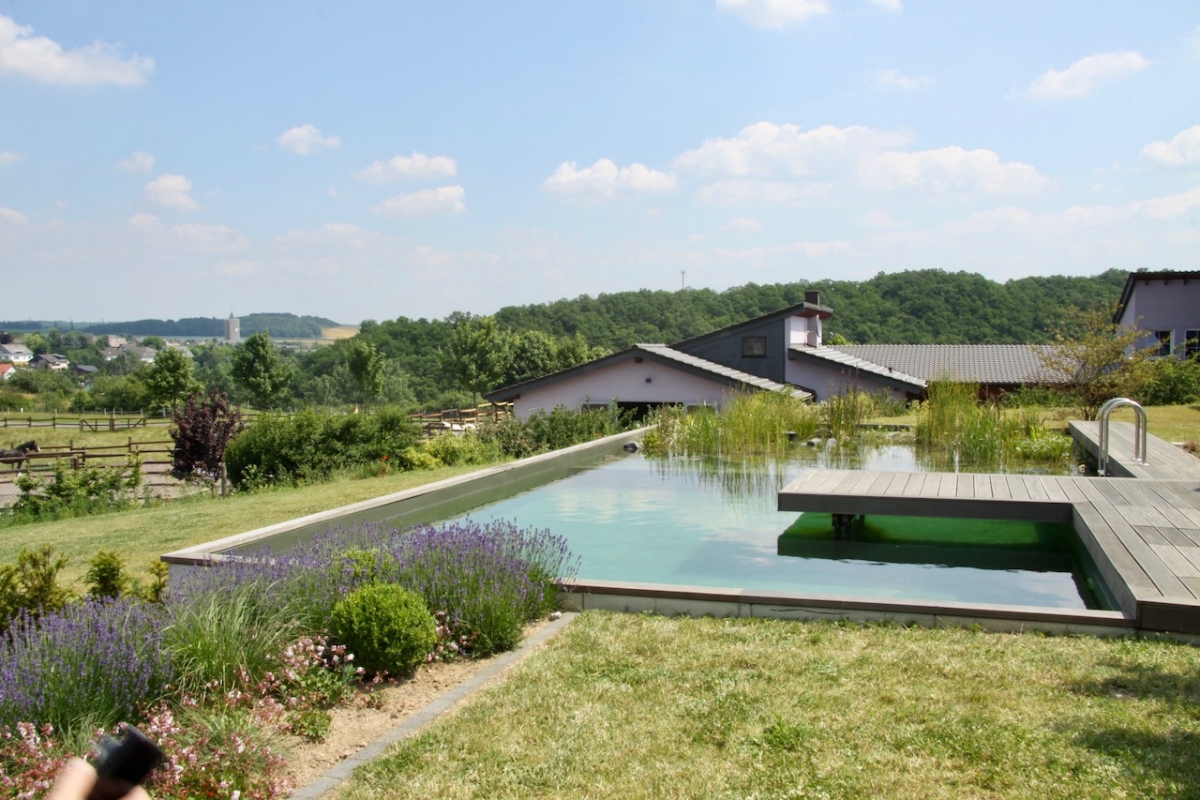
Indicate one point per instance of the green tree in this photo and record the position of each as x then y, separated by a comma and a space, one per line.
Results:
366, 368
169, 379
478, 353
1095, 358
260, 371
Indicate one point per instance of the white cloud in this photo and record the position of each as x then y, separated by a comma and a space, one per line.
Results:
1081, 77
42, 59
8, 157
890, 5
742, 225
212, 238
138, 162
807, 248
879, 219
952, 169
307, 140
418, 165
171, 191
605, 180
1170, 206
15, 217
769, 163
893, 77
775, 13
1181, 151
431, 202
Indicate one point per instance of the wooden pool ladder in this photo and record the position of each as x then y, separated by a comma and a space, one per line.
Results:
1139, 431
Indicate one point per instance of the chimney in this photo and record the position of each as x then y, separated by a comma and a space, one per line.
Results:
812, 297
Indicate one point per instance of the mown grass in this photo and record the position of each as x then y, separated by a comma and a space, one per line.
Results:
141, 535
649, 707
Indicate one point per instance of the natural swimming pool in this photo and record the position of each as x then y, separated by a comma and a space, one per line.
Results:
699, 522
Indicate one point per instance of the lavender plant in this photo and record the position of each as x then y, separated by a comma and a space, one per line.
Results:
92, 664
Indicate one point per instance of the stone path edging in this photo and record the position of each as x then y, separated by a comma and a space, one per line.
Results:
413, 724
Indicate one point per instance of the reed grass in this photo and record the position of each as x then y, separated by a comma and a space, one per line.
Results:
759, 423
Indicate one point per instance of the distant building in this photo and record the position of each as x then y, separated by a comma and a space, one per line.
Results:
15, 353
1166, 305
51, 361
6, 370
233, 329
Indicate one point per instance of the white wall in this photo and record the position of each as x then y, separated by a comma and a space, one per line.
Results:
824, 380
1156, 306
626, 382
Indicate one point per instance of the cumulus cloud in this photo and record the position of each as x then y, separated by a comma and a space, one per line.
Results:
1084, 75
742, 225
208, 238
890, 5
895, 78
605, 180
42, 59
810, 249
769, 163
418, 165
1182, 151
8, 157
431, 202
172, 191
775, 13
307, 140
138, 162
949, 169
15, 217
1172, 206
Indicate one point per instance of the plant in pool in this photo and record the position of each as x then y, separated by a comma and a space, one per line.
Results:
92, 664
759, 423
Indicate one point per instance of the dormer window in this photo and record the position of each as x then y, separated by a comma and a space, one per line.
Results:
754, 347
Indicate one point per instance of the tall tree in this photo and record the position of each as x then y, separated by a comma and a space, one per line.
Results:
477, 354
366, 368
260, 371
169, 379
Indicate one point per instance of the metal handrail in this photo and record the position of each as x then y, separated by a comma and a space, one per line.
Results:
1139, 431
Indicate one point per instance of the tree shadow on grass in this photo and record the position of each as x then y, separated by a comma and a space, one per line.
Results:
1164, 761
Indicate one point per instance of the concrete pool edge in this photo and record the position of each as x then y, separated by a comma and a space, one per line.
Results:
699, 601
201, 554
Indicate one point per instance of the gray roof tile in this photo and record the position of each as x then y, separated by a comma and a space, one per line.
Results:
979, 363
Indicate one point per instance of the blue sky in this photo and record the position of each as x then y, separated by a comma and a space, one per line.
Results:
375, 160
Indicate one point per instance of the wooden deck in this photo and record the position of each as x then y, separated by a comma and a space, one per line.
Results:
1165, 461
1142, 533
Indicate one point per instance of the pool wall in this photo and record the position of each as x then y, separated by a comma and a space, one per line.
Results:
415, 506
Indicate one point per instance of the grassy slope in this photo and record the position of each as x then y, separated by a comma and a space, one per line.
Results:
648, 707
141, 535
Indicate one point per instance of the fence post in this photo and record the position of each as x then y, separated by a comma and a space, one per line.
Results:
224, 481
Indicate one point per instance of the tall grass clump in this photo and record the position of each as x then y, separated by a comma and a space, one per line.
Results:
953, 420
843, 412
91, 664
758, 423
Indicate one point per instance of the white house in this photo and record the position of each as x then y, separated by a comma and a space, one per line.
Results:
15, 353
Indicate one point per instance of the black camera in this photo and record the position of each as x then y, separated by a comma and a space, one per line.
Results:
123, 763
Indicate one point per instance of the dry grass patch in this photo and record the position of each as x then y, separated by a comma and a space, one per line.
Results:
649, 707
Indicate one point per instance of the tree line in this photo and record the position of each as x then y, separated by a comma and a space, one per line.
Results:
422, 364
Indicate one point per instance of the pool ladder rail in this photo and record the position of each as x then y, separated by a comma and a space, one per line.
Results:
1139, 431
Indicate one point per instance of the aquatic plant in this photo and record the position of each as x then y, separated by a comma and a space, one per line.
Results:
758, 423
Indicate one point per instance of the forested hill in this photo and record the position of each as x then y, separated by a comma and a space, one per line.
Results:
281, 326
915, 307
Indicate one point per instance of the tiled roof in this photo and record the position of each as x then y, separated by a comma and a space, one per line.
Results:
979, 363
729, 373
838, 355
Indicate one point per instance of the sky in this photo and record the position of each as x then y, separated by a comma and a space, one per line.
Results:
371, 160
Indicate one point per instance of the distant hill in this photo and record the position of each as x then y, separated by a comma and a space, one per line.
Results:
280, 325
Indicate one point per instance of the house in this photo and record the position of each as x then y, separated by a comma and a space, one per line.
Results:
143, 354
1167, 306
6, 370
50, 361
780, 351
15, 353
85, 370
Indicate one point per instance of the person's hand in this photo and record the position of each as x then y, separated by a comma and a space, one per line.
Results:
76, 780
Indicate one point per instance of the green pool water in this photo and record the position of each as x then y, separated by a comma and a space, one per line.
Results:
715, 524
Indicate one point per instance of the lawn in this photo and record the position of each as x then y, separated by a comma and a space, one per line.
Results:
141, 535
650, 707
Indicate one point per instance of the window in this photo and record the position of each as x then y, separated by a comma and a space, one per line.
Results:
754, 347
1164, 343
1191, 346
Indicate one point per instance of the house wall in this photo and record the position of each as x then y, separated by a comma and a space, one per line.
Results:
824, 380
624, 381
727, 350
1157, 305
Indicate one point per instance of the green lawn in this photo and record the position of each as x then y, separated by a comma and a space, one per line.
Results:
631, 707
142, 535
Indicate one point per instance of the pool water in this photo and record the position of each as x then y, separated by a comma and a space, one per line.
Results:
698, 522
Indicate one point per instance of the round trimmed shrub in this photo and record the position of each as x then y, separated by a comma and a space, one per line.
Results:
386, 627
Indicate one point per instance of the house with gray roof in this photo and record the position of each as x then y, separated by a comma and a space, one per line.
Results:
15, 353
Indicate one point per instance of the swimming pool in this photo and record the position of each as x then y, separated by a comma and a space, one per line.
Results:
697, 522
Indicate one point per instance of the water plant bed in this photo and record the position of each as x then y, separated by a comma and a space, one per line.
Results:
638, 706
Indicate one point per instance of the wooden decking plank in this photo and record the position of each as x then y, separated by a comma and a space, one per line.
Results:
1000, 489
1120, 570
1036, 486
929, 486
981, 486
861, 485
849, 479
1073, 489
880, 483
1151, 535
895, 487
1180, 566
1192, 534
1168, 504
1052, 486
822, 482
1018, 487
1167, 583
948, 485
